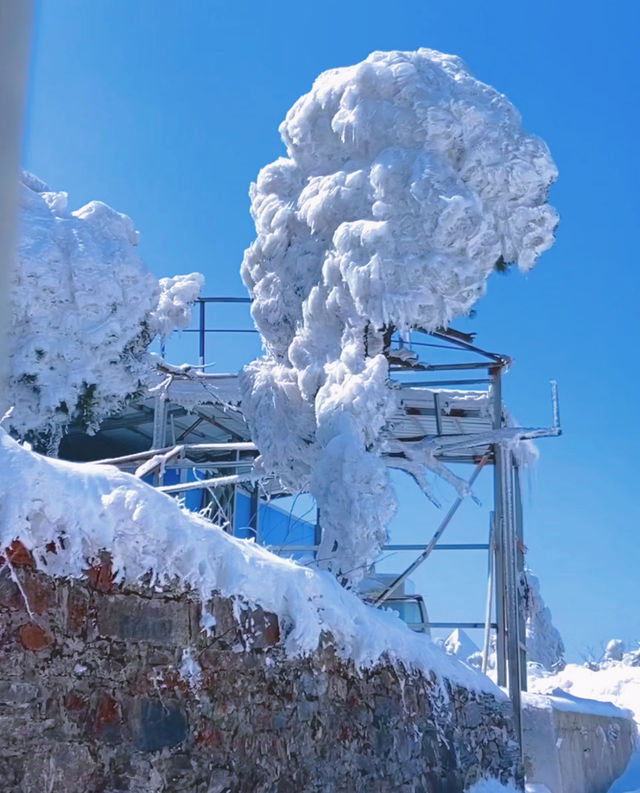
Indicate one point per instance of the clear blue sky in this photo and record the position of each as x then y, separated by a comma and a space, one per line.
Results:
167, 111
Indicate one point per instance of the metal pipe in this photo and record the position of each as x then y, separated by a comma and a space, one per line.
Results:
202, 333
159, 423
206, 483
430, 383
501, 660
220, 330
512, 617
225, 300
489, 606
438, 414
444, 367
519, 533
439, 547
555, 403
497, 357
469, 625
189, 447
150, 465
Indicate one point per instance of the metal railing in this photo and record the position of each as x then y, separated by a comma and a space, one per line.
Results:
504, 548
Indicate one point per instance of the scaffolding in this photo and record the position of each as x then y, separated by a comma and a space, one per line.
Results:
193, 425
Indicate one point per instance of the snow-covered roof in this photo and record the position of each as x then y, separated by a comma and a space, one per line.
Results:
428, 412
215, 398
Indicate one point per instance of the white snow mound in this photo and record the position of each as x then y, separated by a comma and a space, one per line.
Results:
406, 182
86, 508
84, 309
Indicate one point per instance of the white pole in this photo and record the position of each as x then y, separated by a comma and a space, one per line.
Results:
489, 606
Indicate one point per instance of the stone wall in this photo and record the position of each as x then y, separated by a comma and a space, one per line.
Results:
104, 690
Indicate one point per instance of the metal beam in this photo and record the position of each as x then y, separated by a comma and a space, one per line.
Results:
438, 414
222, 427
386, 593
159, 422
501, 661
489, 605
224, 300
201, 334
203, 484
511, 599
520, 549
439, 547
431, 383
243, 446
188, 430
468, 625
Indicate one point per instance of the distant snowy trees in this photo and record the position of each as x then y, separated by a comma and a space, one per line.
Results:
406, 183
84, 309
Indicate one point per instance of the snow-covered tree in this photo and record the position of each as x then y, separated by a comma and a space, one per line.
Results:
406, 183
84, 309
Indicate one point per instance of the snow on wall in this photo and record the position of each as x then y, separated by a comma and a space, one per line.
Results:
83, 509
406, 183
84, 309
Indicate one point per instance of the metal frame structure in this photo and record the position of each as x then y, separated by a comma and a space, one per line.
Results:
436, 406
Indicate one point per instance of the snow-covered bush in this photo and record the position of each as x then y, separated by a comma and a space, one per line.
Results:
406, 183
84, 309
615, 650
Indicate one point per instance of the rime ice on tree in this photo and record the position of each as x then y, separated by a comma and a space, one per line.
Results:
407, 182
84, 309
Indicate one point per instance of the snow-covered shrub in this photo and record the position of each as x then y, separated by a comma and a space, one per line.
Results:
615, 650
406, 183
84, 309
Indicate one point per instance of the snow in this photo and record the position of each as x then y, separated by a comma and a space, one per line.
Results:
460, 644
612, 683
615, 682
493, 786
544, 643
406, 182
84, 309
84, 509
557, 699
190, 669
614, 650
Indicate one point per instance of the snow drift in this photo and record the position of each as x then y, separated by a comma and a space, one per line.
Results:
84, 310
67, 513
406, 183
